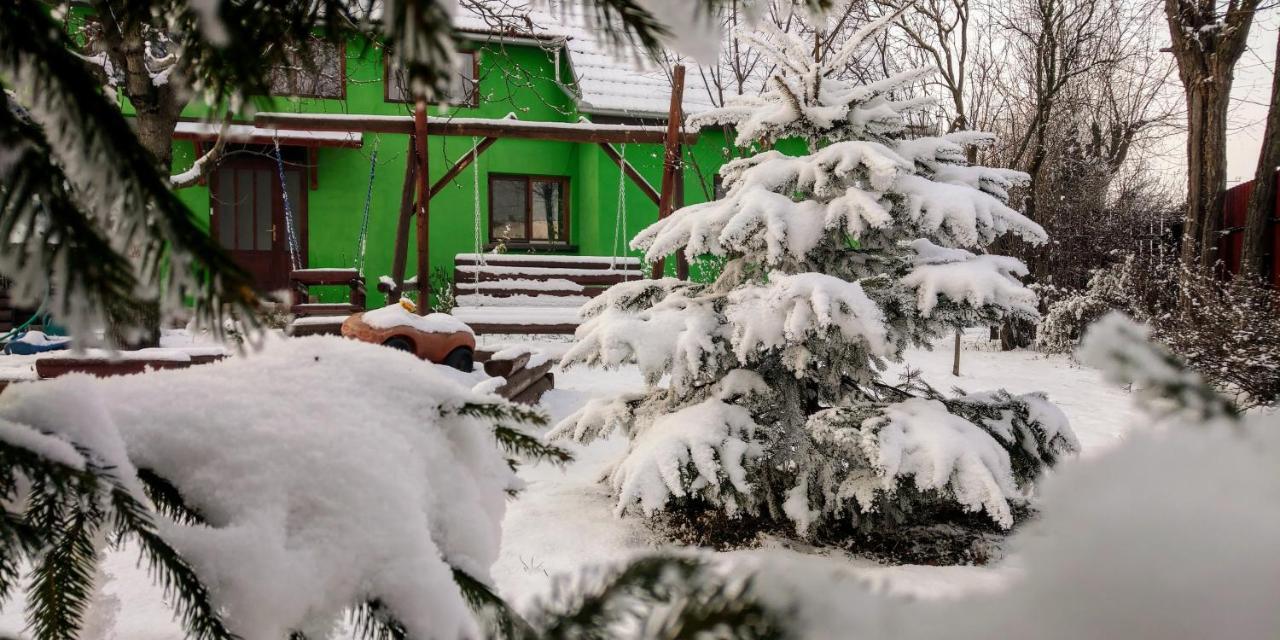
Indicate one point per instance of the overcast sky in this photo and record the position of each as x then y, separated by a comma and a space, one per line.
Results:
1249, 97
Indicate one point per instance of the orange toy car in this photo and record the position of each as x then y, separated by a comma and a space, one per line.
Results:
436, 337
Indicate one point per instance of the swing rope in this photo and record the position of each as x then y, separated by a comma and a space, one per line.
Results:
362, 240
475, 191
620, 220
289, 231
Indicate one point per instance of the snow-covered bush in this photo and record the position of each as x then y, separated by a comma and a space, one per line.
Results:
319, 477
1110, 289
1172, 535
1227, 330
764, 398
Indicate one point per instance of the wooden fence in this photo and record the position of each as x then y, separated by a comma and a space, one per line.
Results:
1231, 243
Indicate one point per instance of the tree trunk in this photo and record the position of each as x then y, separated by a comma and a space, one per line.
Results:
157, 108
1207, 42
955, 362
1207, 102
1262, 201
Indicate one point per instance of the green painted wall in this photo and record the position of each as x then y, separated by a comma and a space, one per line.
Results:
513, 79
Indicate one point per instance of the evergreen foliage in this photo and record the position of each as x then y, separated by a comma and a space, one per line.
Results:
764, 395
663, 597
72, 169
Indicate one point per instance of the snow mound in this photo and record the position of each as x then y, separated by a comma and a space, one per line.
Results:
330, 473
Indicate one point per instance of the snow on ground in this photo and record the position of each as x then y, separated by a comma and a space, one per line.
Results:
564, 520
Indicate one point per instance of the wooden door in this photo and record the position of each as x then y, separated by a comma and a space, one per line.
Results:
248, 218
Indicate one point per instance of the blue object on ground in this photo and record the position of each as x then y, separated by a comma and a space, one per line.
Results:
32, 342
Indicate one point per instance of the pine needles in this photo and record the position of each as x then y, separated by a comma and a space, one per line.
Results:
660, 597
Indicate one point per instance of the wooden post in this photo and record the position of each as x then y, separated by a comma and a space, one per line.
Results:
955, 363
423, 208
402, 226
671, 171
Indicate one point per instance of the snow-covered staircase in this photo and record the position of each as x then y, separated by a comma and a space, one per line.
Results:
532, 294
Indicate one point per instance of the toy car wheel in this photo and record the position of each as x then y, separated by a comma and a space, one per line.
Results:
403, 344
461, 359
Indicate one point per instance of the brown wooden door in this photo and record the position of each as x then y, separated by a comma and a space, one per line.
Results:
248, 218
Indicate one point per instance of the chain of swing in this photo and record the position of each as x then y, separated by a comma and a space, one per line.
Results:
619, 248
291, 233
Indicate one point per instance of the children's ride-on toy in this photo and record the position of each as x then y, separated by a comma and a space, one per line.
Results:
436, 337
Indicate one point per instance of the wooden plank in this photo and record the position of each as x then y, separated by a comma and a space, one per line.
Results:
585, 280
490, 328
639, 180
102, 367
324, 276
324, 309
503, 368
298, 331
533, 393
499, 261
581, 132
587, 292
520, 379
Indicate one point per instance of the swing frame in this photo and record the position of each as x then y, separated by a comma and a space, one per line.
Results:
417, 193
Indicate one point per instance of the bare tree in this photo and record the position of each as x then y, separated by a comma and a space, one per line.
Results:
1208, 37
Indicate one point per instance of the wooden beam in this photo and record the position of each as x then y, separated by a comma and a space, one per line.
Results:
461, 165
672, 158
402, 226
583, 132
424, 209
631, 172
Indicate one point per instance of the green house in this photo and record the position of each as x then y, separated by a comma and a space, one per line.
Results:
521, 196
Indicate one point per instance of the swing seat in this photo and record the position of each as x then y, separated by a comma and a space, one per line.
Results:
324, 318
532, 294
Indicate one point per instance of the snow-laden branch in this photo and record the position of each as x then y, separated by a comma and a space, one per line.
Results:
204, 164
965, 278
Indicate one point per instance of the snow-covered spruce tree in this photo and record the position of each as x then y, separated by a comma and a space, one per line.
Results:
271, 517
764, 398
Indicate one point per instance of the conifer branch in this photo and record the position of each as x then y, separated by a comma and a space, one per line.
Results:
491, 608
663, 597
62, 582
174, 574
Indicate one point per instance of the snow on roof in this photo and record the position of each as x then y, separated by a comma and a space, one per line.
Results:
611, 80
248, 133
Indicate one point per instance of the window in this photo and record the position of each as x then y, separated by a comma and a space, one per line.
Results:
528, 209
318, 72
463, 90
